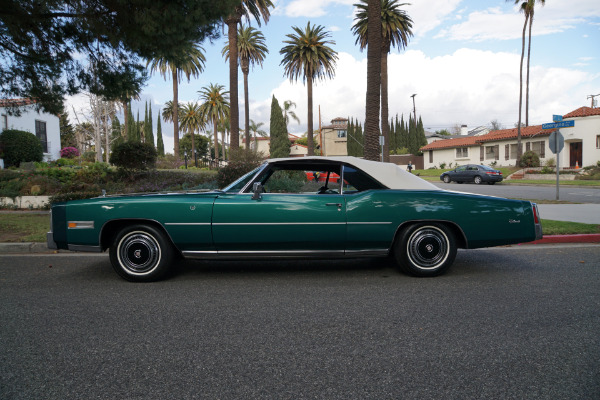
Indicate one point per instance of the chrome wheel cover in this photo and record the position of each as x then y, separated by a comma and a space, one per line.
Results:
138, 253
428, 247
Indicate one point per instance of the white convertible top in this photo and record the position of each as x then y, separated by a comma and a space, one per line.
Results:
388, 174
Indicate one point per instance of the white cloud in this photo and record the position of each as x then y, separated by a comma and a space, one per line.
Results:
428, 15
311, 8
469, 87
498, 23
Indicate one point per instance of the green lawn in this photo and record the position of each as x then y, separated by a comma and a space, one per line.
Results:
32, 227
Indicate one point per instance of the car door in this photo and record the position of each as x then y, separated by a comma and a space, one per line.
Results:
282, 223
460, 173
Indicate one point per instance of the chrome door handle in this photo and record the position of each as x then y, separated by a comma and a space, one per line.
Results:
339, 205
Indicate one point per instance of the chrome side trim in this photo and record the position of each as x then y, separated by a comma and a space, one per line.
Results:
211, 254
367, 253
187, 223
369, 223
90, 249
276, 223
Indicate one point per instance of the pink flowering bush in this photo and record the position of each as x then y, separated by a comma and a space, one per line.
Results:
69, 152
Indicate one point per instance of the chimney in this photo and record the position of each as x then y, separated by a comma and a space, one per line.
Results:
464, 130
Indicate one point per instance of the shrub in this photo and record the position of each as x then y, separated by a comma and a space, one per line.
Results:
241, 162
134, 156
530, 159
69, 152
20, 146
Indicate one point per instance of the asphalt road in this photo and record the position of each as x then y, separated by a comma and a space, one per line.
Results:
516, 322
532, 192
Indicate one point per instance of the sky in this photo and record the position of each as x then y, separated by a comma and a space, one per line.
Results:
462, 63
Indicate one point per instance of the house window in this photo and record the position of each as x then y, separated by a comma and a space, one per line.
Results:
539, 148
341, 133
491, 152
513, 151
4, 125
431, 156
40, 132
462, 152
598, 142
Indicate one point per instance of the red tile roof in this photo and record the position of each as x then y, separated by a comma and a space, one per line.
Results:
16, 102
504, 134
583, 112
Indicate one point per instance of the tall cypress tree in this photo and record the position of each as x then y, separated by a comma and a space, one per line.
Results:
131, 126
150, 135
421, 139
160, 146
280, 144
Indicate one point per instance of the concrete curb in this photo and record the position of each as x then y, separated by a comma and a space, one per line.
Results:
36, 247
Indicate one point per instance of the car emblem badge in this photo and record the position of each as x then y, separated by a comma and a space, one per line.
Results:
137, 254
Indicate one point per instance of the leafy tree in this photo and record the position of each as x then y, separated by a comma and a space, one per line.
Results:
252, 49
258, 9
160, 145
396, 28
307, 54
280, 144
495, 125
20, 146
134, 156
190, 62
201, 145
47, 45
215, 108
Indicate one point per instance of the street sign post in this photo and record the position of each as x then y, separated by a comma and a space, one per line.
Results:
561, 124
557, 142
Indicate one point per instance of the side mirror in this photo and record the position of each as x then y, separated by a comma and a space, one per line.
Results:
257, 189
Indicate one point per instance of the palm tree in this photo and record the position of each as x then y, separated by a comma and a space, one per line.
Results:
190, 64
255, 129
258, 9
374, 37
192, 121
168, 112
252, 49
527, 8
215, 108
223, 127
396, 30
287, 112
125, 99
308, 54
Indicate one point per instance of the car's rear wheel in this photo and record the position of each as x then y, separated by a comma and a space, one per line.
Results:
141, 253
425, 249
477, 180
446, 179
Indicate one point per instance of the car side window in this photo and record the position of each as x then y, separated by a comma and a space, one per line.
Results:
461, 168
295, 181
357, 181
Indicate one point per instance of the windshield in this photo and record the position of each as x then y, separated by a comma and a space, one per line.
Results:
238, 185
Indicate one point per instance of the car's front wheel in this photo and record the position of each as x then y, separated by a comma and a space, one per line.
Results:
425, 249
446, 179
141, 253
477, 180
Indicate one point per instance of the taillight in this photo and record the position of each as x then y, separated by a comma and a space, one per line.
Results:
536, 217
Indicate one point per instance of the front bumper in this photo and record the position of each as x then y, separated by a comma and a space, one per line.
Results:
50, 241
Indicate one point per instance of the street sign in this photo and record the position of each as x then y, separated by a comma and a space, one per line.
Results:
557, 118
556, 142
561, 124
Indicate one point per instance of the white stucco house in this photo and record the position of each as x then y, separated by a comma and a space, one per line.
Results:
582, 144
43, 125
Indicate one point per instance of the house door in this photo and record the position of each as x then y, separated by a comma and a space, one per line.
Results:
575, 154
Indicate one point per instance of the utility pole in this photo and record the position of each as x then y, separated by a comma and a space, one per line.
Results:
591, 96
414, 108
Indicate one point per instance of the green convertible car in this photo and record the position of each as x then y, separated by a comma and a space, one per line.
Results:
311, 207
